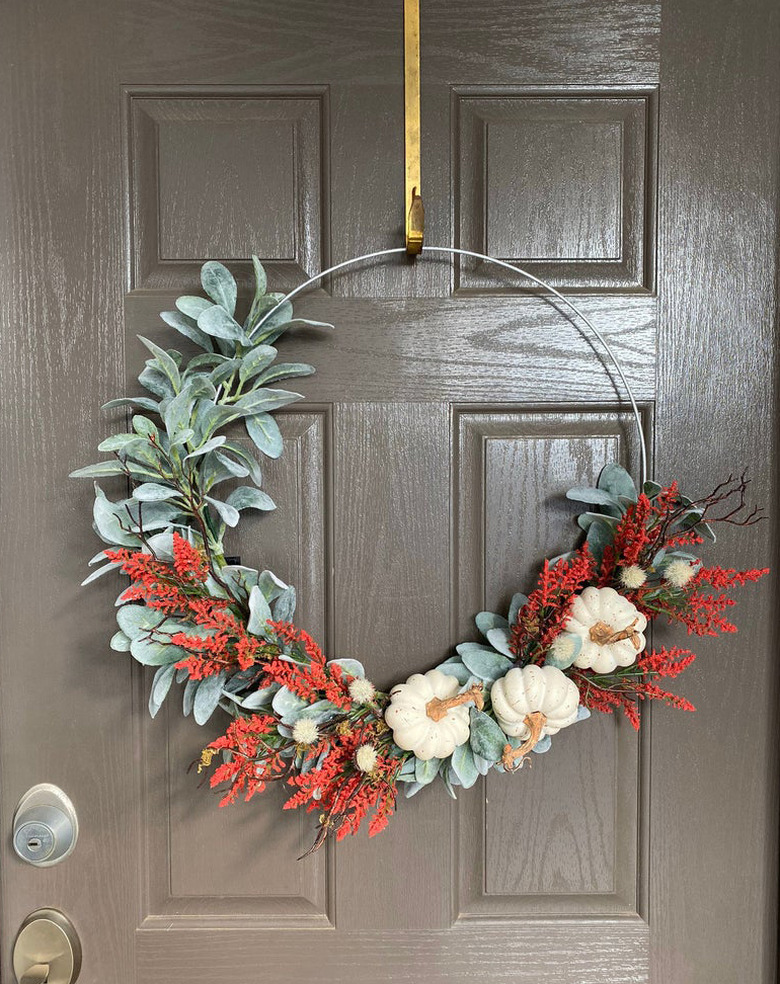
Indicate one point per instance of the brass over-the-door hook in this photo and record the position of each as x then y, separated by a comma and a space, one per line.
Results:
413, 205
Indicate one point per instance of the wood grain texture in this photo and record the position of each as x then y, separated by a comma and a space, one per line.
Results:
390, 596
404, 350
571, 953
65, 706
714, 804
480, 349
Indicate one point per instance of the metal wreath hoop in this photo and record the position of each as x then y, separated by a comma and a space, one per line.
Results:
454, 251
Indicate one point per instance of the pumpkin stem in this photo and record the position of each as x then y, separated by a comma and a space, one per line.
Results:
437, 708
513, 757
604, 635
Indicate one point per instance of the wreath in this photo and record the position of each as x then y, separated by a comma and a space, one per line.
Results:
576, 644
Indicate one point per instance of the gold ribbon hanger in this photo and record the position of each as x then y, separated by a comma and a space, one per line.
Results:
413, 204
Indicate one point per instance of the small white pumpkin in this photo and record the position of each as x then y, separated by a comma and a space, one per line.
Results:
610, 627
532, 690
414, 729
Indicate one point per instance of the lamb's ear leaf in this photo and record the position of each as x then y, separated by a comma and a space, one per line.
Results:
188, 327
207, 697
166, 362
259, 612
134, 401
245, 497
464, 766
488, 620
483, 661
227, 513
487, 739
255, 361
216, 321
426, 770
498, 638
192, 307
219, 283
161, 684
519, 601
264, 431
101, 469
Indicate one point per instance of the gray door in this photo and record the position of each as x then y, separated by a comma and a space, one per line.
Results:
628, 154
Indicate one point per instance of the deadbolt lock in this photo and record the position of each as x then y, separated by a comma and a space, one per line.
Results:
47, 949
45, 826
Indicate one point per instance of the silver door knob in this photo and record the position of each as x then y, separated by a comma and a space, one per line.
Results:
47, 949
45, 826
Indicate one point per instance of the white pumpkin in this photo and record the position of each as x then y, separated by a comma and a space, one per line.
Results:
534, 690
610, 627
414, 729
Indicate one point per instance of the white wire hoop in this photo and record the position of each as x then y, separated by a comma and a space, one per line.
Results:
453, 251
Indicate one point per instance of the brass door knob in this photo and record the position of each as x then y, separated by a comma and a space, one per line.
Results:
47, 949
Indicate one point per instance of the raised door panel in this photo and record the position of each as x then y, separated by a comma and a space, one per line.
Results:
205, 866
563, 837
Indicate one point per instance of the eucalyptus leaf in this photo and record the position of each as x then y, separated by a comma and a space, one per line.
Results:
210, 445
258, 698
120, 643
236, 468
616, 480
100, 572
151, 652
454, 667
288, 705
138, 620
134, 401
188, 697
598, 497
353, 667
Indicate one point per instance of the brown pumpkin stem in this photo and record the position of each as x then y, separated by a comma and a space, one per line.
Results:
513, 757
437, 708
604, 635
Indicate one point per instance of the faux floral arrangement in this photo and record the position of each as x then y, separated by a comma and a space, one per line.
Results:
576, 644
